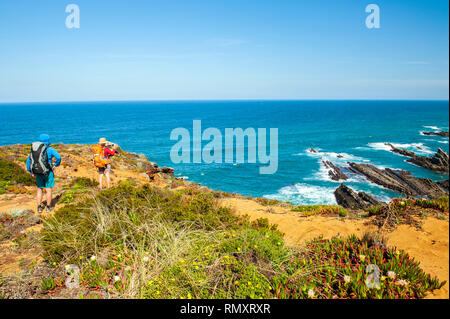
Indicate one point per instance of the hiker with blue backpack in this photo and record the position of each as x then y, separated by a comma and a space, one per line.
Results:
40, 164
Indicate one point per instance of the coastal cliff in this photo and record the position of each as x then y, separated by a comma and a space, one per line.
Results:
153, 235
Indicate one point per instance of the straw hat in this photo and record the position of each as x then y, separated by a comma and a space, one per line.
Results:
102, 141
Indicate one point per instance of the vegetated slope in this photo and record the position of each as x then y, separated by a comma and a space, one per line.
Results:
166, 238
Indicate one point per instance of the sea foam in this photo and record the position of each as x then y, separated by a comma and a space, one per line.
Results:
418, 148
305, 194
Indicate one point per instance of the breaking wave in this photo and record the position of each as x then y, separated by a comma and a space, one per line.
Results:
305, 194
418, 148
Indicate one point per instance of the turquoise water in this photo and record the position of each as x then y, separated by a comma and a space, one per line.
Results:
354, 129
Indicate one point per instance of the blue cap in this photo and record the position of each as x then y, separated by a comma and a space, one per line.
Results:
44, 138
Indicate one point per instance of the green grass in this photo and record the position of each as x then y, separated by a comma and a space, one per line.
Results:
84, 182
76, 188
375, 210
11, 172
267, 202
145, 242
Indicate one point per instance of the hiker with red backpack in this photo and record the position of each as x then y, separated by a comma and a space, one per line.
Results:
40, 164
102, 161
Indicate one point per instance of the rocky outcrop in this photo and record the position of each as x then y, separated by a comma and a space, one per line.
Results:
444, 184
438, 163
398, 180
167, 170
150, 168
439, 133
334, 172
401, 151
348, 198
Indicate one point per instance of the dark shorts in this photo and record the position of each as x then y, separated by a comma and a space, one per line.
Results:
106, 168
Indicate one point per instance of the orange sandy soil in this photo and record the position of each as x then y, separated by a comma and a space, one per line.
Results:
429, 246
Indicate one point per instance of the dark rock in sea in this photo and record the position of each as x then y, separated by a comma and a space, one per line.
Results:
401, 151
438, 163
312, 150
348, 198
444, 184
398, 180
334, 172
440, 133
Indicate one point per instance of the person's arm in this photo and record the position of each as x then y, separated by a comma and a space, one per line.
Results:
52, 153
109, 152
29, 163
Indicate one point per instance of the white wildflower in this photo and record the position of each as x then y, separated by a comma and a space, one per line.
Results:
93, 258
311, 293
116, 278
402, 282
347, 279
391, 274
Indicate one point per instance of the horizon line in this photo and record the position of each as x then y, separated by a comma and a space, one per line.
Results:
212, 100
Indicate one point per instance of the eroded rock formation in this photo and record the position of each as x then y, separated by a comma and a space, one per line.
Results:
348, 198
398, 180
440, 133
438, 163
334, 172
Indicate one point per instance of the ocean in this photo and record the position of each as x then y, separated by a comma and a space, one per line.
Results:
339, 131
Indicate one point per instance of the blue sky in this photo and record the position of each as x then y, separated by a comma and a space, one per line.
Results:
223, 49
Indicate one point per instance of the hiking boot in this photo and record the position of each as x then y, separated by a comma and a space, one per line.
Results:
40, 209
49, 209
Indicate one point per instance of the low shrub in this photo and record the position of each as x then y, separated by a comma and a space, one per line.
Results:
84, 182
267, 202
440, 204
375, 210
323, 210
344, 268
145, 242
11, 172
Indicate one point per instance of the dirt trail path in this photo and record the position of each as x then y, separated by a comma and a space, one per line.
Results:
76, 163
429, 246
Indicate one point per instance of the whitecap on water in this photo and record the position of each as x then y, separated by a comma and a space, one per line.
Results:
305, 194
333, 156
431, 127
418, 148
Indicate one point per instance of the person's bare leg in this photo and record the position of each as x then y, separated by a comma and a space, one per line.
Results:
100, 180
39, 196
108, 180
48, 192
